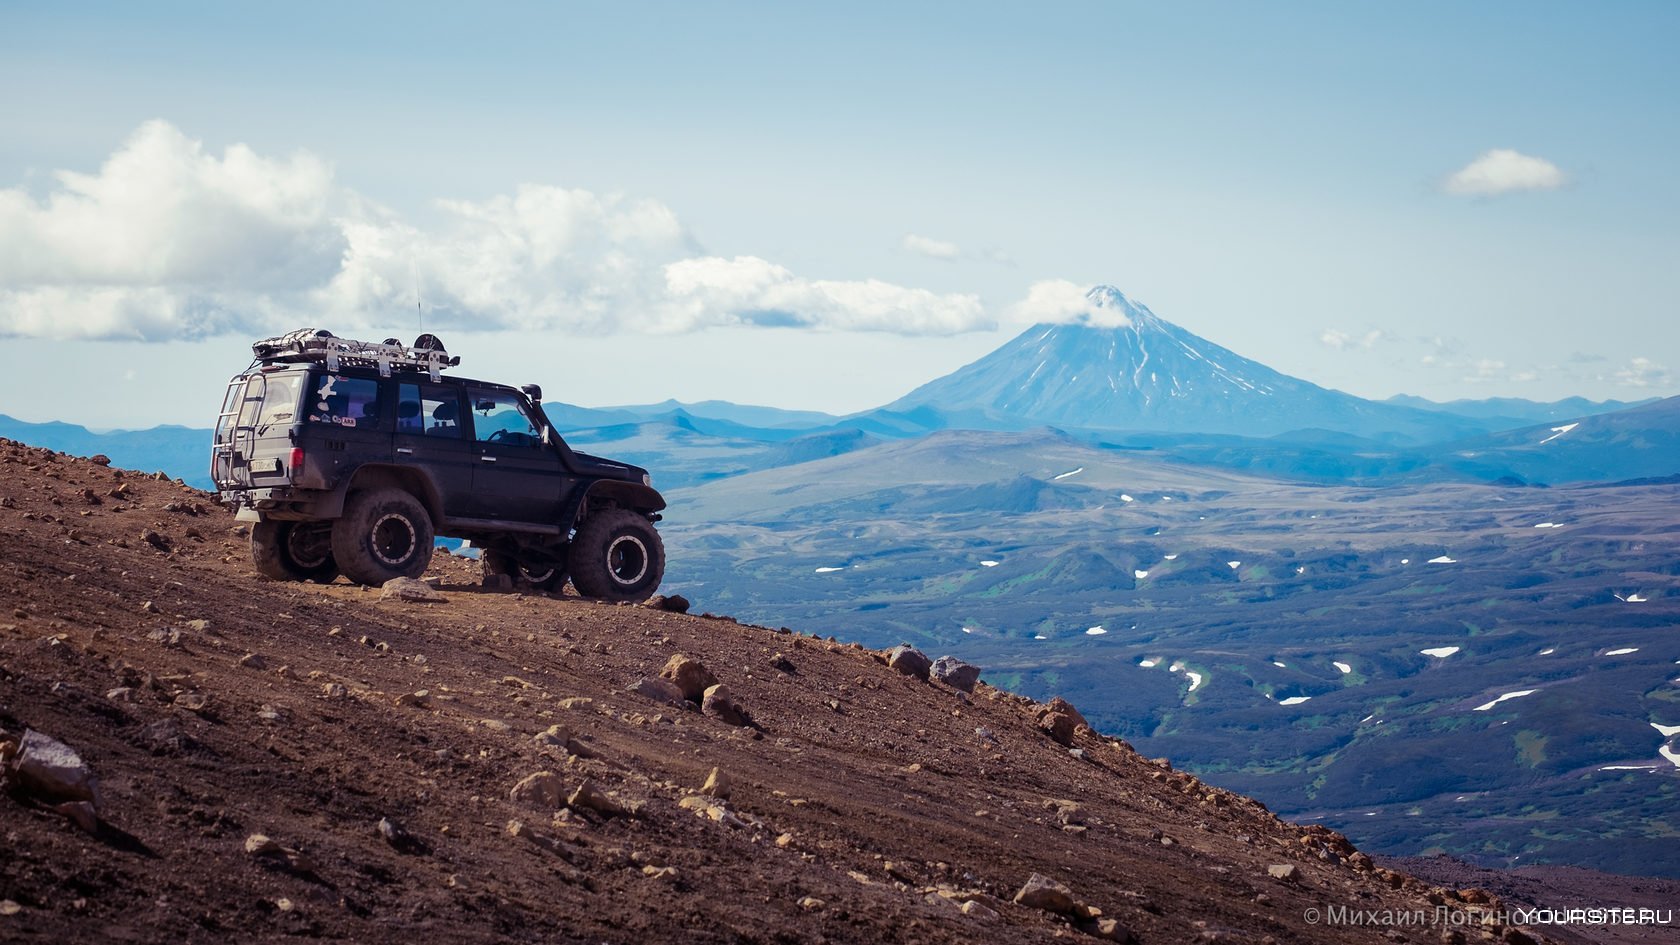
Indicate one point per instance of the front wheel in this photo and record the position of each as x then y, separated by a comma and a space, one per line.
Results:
616, 555
294, 551
384, 534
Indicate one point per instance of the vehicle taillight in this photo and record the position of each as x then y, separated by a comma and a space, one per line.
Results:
297, 460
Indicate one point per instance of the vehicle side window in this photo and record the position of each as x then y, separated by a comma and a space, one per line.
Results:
428, 410
498, 419
351, 402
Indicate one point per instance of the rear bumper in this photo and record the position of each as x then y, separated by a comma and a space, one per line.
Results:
282, 502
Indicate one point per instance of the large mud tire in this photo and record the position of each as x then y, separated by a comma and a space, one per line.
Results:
539, 577
294, 551
616, 555
384, 534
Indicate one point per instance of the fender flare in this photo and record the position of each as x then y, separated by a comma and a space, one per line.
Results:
369, 475
629, 495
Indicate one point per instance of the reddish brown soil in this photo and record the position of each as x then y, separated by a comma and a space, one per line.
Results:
862, 788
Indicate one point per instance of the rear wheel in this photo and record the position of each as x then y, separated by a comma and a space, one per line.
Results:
617, 555
384, 534
294, 551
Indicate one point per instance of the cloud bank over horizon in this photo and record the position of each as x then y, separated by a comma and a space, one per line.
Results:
168, 241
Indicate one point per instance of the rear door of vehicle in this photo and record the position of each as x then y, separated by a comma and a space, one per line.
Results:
261, 438
346, 423
431, 436
516, 476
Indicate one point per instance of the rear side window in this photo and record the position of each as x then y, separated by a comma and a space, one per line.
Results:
428, 410
344, 401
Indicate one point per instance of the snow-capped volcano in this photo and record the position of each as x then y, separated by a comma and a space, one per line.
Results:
1119, 366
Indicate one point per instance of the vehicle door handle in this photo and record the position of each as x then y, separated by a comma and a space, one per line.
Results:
488, 459
404, 450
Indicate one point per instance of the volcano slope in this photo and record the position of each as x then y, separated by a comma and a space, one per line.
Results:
289, 759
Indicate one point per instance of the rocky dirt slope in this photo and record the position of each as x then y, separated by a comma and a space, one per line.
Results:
277, 760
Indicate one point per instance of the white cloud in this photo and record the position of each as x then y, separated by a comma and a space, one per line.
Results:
1643, 372
1503, 171
1342, 341
931, 248
169, 241
1057, 301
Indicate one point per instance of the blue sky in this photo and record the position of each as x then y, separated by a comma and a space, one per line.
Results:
824, 207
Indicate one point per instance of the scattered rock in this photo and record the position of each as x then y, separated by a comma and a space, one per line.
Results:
261, 845
168, 636
717, 784
674, 603
8, 907
782, 663
540, 791
121, 694
956, 673
1285, 872
154, 539
253, 661
495, 725
719, 703
80, 813
420, 698
51, 770
149, 607
909, 661
335, 691
659, 689
1058, 704
1058, 725
1111, 930
192, 701
589, 797
100, 459
812, 904
1041, 892
690, 675
411, 590
398, 838
978, 910
555, 736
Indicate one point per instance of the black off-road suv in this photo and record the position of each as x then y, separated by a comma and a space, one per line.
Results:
349, 457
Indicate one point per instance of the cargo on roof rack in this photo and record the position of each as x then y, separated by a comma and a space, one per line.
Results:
317, 345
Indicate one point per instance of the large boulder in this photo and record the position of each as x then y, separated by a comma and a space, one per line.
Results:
909, 661
690, 675
956, 673
52, 771
1041, 892
719, 703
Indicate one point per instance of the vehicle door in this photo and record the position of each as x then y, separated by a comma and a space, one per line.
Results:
517, 477
431, 436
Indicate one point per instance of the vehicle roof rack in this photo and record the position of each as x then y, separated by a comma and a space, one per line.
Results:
319, 346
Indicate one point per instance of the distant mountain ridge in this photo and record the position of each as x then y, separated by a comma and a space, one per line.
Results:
1145, 374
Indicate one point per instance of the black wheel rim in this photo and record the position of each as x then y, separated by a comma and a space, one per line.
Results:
309, 548
627, 560
393, 539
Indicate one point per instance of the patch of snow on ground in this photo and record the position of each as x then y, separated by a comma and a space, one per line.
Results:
1544, 525
1234, 564
1548, 651
1140, 575
1667, 731
968, 629
988, 564
1166, 498
1195, 679
1345, 668
1405, 561
1279, 665
1559, 431
1301, 570
1172, 557
1669, 753
1623, 651
1126, 498
1040, 636
1440, 652
829, 570
1071, 472
1095, 632
1294, 700
1443, 560
1367, 718
1636, 598
1629, 768
1149, 662
1509, 695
